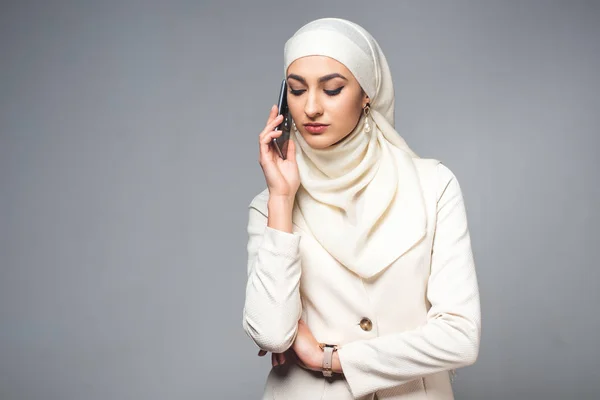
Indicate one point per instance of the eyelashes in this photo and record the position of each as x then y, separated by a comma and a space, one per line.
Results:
334, 92
328, 92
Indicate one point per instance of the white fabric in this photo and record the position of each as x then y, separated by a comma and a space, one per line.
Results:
414, 278
360, 171
425, 308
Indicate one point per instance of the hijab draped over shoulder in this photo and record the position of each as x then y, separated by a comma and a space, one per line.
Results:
361, 197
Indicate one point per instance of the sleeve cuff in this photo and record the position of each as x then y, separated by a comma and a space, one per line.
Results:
281, 243
350, 355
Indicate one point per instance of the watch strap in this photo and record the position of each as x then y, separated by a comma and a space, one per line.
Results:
327, 361
328, 350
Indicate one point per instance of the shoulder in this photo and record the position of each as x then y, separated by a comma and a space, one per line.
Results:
435, 175
257, 213
260, 202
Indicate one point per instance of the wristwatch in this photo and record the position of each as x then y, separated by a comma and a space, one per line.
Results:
328, 350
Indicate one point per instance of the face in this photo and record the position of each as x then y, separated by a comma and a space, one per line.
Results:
325, 100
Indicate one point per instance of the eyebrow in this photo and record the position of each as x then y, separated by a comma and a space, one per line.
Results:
321, 79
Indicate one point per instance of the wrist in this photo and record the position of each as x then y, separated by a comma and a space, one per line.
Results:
280, 213
281, 202
317, 359
329, 360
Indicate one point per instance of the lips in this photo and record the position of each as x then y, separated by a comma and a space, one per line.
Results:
315, 128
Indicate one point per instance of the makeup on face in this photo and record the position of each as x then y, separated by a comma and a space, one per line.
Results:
315, 128
322, 80
324, 99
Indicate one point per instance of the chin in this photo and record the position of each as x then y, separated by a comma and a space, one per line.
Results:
320, 142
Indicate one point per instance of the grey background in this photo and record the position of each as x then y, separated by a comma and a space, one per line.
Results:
128, 157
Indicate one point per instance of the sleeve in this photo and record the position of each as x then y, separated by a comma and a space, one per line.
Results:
450, 338
272, 306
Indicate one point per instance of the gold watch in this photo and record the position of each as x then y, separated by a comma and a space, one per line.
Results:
328, 350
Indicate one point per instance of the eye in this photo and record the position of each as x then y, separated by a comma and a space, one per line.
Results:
334, 92
297, 92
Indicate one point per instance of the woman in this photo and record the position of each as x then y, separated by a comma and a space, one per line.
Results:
361, 280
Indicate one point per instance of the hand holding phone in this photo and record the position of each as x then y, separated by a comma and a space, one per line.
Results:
277, 156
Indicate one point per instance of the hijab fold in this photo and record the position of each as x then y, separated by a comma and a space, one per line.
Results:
361, 198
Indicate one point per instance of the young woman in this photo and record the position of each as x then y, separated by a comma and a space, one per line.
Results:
361, 280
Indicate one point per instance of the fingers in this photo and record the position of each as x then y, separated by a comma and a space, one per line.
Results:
281, 358
270, 127
291, 151
268, 134
277, 359
266, 137
272, 113
271, 121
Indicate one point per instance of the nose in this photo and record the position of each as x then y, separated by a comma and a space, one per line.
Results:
312, 107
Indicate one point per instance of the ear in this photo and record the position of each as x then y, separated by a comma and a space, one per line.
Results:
365, 99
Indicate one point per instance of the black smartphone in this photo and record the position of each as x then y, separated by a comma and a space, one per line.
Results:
281, 143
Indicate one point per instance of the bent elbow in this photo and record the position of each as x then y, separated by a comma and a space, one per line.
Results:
270, 337
274, 344
464, 335
470, 354
470, 345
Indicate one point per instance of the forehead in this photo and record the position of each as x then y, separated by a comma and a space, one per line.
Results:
310, 67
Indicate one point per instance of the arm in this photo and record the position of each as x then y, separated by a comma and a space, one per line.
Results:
450, 338
272, 307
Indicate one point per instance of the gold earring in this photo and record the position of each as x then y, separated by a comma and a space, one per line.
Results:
367, 112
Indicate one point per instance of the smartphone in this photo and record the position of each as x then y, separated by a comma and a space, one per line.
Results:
281, 143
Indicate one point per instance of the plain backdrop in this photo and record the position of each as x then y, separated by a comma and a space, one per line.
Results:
128, 157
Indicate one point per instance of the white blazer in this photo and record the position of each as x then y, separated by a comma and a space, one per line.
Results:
400, 332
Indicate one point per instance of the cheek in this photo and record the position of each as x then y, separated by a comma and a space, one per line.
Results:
296, 108
347, 111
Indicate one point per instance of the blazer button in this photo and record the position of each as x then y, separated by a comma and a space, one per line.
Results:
366, 324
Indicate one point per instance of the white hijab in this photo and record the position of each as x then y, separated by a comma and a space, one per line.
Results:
360, 198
